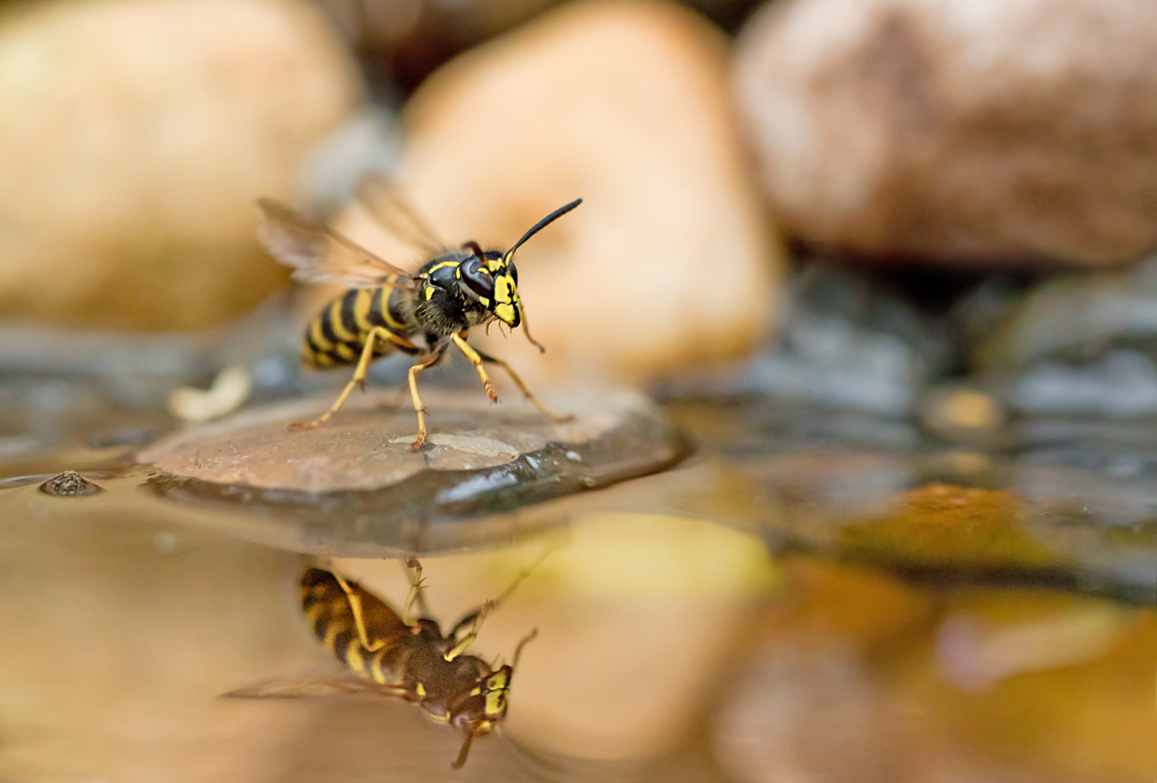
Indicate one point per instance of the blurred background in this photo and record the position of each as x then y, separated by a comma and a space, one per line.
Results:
885, 265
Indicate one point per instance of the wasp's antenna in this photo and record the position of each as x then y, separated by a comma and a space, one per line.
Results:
518, 649
540, 225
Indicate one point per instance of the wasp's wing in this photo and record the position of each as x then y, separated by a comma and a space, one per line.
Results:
318, 254
285, 688
383, 199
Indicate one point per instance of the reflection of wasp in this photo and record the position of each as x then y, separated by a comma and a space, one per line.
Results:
421, 314
396, 656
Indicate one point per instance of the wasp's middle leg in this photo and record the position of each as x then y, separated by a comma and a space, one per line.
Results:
421, 410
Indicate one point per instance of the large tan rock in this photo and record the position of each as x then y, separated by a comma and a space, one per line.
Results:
136, 136
668, 261
964, 131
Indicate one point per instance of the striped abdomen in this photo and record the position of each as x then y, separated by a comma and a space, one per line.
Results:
328, 608
335, 337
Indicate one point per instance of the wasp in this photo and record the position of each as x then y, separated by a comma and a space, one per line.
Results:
387, 309
401, 657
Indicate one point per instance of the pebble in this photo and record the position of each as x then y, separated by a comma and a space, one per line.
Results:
69, 484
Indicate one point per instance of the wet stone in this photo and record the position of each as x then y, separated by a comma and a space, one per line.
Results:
358, 467
848, 342
69, 484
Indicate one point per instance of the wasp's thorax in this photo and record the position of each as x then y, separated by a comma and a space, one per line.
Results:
463, 692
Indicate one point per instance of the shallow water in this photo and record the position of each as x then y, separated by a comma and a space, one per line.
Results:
804, 598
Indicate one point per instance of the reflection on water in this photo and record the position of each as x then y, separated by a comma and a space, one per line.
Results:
796, 611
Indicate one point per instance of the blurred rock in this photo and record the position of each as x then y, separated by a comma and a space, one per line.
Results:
1073, 318
975, 132
1075, 345
668, 262
139, 134
847, 342
1122, 384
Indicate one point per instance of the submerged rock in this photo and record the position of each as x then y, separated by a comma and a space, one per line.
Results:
69, 484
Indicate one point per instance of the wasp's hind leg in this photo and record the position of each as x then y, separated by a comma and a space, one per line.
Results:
355, 603
359, 378
396, 402
545, 411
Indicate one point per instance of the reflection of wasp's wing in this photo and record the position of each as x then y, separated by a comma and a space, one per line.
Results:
383, 199
318, 254
281, 688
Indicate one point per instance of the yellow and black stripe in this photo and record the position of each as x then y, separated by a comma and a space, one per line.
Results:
327, 606
335, 337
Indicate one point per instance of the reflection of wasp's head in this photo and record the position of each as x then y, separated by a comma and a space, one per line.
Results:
485, 707
480, 713
491, 278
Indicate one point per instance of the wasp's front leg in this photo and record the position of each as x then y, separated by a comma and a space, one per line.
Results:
545, 411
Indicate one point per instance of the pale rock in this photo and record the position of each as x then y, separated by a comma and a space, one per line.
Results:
668, 262
136, 137
966, 132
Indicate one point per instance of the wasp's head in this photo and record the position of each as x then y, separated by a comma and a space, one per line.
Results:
493, 281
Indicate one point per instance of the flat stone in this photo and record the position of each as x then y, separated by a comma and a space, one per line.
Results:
356, 471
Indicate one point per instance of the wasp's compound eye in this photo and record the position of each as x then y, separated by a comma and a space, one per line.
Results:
478, 279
